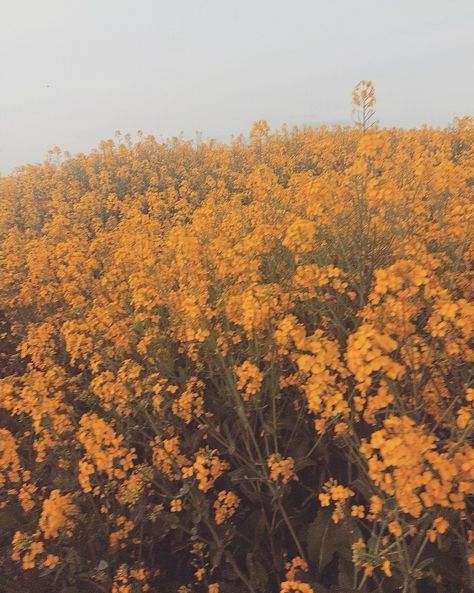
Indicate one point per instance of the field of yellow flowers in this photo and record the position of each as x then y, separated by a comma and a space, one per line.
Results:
241, 367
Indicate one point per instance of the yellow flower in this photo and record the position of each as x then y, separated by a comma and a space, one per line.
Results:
440, 525
358, 511
395, 528
51, 561
297, 563
464, 417
368, 570
386, 568
176, 506
295, 587
199, 574
249, 379
225, 506
325, 499
57, 515
281, 468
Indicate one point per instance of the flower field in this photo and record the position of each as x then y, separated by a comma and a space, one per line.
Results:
241, 367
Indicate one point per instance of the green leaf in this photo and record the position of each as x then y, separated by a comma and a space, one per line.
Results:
215, 553
9, 519
350, 533
424, 563
254, 527
325, 538
103, 565
361, 487
345, 577
321, 540
257, 573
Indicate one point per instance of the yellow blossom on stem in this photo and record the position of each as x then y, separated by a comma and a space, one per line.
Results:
281, 468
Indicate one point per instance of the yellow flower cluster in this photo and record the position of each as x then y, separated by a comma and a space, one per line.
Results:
281, 468
323, 368
403, 462
297, 563
32, 548
299, 236
25, 496
167, 457
312, 280
295, 587
249, 379
125, 526
131, 490
57, 515
207, 467
28, 548
130, 580
364, 91
225, 505
104, 451
334, 492
176, 506
9, 460
190, 404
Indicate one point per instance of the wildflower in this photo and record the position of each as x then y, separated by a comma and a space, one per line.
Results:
207, 467
249, 379
190, 404
51, 561
57, 515
358, 511
176, 506
297, 563
295, 587
199, 574
395, 528
281, 468
225, 506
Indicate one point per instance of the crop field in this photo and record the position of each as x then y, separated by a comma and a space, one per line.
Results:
242, 367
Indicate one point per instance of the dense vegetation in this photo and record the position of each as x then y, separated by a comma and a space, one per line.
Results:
243, 367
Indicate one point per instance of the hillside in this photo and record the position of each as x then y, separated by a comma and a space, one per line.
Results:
243, 367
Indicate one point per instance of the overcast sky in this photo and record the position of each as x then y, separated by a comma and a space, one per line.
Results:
74, 71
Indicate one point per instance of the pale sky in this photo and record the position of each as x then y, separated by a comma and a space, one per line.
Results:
74, 71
